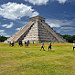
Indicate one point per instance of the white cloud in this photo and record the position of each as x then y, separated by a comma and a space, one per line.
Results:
8, 26
44, 2
69, 28
18, 28
16, 11
38, 2
65, 29
58, 23
62, 1
2, 33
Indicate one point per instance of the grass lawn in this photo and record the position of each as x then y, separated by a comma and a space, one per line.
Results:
31, 61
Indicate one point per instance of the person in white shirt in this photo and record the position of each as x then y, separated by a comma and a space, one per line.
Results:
73, 46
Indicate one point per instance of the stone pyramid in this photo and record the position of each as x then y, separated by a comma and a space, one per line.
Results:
38, 31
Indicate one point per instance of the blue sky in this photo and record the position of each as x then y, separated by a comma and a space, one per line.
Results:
59, 14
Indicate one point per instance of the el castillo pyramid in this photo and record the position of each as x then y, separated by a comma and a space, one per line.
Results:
38, 31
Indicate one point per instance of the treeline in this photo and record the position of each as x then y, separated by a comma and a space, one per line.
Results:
3, 38
69, 38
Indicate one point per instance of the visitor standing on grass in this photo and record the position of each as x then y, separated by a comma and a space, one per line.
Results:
9, 43
20, 43
73, 46
49, 47
42, 46
28, 42
33, 42
12, 43
25, 43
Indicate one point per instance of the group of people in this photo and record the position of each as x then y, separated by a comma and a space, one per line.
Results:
11, 43
20, 43
27, 43
49, 47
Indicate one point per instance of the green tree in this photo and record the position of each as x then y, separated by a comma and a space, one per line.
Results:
3, 38
69, 38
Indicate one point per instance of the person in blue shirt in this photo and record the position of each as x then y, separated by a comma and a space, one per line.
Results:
49, 47
42, 46
28, 42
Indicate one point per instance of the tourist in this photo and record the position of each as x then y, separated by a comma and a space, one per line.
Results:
28, 42
20, 43
73, 46
25, 43
33, 42
9, 43
13, 43
42, 46
49, 47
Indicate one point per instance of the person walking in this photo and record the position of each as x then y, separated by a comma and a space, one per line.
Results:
20, 43
73, 46
12, 43
25, 43
49, 47
42, 46
28, 42
33, 42
9, 43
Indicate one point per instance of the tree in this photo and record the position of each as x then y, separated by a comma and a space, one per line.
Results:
3, 38
73, 37
69, 38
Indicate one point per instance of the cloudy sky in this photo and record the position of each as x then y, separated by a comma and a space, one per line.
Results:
59, 14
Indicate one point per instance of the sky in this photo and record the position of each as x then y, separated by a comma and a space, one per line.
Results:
59, 14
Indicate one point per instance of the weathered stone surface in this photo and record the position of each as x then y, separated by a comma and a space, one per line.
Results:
38, 31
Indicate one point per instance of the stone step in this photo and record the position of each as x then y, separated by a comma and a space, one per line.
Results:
18, 34
60, 39
33, 33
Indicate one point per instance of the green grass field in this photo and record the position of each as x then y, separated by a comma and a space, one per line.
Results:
31, 61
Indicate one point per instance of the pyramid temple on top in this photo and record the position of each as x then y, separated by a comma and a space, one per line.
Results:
38, 31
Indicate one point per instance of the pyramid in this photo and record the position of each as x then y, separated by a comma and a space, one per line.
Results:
38, 31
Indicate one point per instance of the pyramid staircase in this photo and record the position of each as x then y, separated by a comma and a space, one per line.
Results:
21, 33
32, 34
